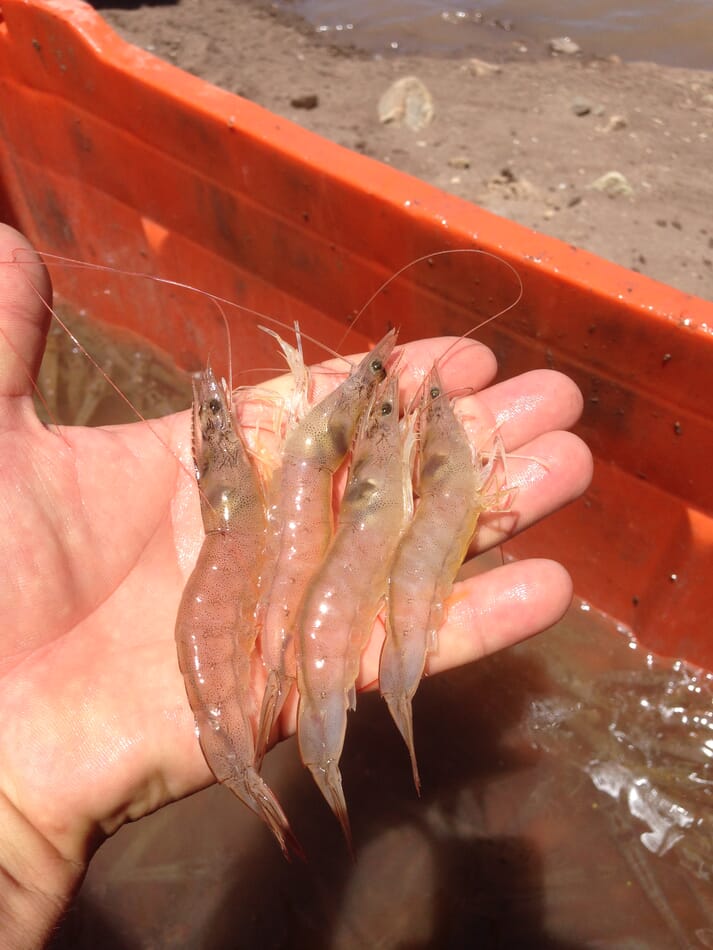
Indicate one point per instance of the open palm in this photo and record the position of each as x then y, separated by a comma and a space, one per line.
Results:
99, 530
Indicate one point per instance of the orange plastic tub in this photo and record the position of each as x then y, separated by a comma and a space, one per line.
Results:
111, 156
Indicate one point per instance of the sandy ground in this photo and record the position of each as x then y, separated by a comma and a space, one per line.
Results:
527, 140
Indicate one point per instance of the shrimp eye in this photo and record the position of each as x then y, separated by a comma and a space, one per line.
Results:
435, 392
376, 366
214, 406
386, 409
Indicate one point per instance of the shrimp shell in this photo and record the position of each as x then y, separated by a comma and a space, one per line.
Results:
215, 627
344, 597
300, 522
429, 555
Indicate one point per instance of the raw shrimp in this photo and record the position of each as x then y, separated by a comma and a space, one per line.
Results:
430, 553
343, 599
300, 522
215, 628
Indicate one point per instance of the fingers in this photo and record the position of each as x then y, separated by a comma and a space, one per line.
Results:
557, 469
525, 406
469, 367
496, 609
546, 468
488, 612
23, 316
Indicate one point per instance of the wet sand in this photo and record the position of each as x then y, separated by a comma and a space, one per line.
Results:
526, 141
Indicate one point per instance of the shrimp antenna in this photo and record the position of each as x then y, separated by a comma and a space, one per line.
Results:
229, 340
70, 262
83, 350
428, 257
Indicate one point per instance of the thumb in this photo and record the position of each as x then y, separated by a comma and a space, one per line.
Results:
24, 319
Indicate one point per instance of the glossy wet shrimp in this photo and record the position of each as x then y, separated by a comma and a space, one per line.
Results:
300, 522
215, 627
341, 604
452, 483
313, 450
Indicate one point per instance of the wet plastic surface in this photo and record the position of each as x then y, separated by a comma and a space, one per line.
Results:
112, 156
550, 818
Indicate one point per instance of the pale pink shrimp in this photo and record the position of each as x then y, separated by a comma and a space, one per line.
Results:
300, 522
432, 548
343, 599
215, 628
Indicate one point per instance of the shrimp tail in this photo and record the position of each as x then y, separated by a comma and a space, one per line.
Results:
277, 689
329, 782
402, 713
320, 735
256, 794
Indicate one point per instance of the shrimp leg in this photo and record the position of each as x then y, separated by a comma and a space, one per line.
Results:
429, 555
215, 628
300, 523
343, 599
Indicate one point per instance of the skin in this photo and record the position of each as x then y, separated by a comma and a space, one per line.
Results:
99, 530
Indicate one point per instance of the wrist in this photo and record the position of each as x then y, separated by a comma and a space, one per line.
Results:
37, 883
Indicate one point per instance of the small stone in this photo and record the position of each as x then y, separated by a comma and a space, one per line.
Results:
563, 46
614, 124
480, 68
309, 101
548, 214
407, 102
581, 107
613, 184
459, 161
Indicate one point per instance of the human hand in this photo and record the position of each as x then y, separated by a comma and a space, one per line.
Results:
98, 532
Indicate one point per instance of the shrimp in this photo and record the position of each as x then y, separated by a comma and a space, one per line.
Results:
430, 553
215, 628
343, 599
300, 522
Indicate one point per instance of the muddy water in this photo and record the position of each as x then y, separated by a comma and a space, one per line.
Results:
71, 391
678, 33
568, 802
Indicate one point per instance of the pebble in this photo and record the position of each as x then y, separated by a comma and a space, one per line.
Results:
480, 67
407, 102
459, 161
581, 106
614, 124
613, 184
564, 46
310, 101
